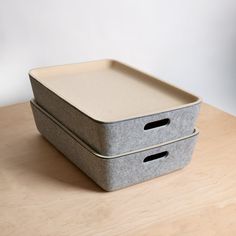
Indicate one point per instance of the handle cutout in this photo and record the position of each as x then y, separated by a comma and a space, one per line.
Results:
156, 124
156, 156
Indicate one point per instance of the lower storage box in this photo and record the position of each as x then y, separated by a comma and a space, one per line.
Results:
115, 172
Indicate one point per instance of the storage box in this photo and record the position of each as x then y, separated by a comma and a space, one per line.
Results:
119, 171
112, 107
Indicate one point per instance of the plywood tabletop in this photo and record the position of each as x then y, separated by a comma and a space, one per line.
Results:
42, 193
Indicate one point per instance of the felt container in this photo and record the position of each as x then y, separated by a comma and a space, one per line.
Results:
118, 171
113, 107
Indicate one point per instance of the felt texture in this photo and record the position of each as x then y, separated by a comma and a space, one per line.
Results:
118, 172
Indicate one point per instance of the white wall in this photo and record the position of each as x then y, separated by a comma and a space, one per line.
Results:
191, 43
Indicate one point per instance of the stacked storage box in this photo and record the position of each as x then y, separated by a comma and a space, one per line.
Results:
117, 124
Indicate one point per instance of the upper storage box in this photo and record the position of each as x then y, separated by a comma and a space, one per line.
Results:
112, 107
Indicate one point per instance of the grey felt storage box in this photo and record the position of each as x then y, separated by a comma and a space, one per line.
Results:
115, 172
112, 107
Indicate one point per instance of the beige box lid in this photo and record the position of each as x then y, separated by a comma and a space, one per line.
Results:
110, 91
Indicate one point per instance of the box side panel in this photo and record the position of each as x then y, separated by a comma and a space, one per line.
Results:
132, 169
94, 167
131, 135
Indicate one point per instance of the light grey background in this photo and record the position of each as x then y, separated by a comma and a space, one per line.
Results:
190, 43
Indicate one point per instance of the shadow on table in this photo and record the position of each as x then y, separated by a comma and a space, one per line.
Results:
54, 166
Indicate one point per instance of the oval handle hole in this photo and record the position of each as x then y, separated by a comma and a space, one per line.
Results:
156, 156
156, 124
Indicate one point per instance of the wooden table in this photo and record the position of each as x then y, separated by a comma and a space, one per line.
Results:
42, 193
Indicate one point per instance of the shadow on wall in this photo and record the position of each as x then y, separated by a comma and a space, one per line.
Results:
232, 67
229, 66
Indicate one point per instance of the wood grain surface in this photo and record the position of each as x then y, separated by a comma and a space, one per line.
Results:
42, 193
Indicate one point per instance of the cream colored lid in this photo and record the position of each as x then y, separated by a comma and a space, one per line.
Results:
110, 91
